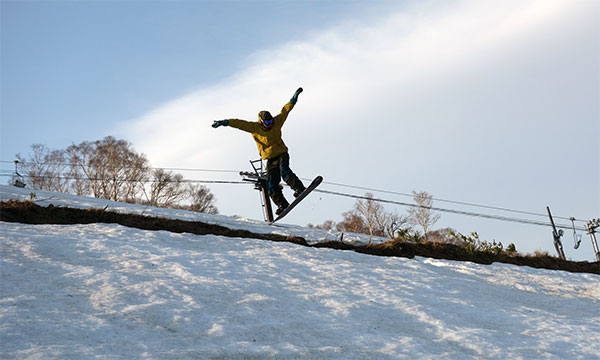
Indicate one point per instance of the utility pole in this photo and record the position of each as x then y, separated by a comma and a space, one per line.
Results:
591, 227
557, 234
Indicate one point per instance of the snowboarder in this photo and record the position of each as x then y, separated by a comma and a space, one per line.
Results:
267, 134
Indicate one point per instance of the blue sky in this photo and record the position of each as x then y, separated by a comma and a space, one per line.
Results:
493, 102
74, 69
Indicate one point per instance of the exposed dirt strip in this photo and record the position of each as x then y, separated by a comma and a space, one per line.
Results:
30, 213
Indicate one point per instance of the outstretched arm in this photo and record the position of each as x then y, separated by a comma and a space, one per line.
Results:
288, 107
247, 126
236, 123
243, 125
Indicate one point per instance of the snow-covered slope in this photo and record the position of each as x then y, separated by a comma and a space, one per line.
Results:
312, 235
108, 291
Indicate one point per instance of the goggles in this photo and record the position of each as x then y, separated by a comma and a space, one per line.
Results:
268, 122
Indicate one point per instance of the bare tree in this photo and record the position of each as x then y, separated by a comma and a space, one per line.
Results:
56, 174
394, 223
137, 170
166, 188
353, 222
111, 169
35, 168
202, 200
45, 169
373, 214
422, 214
118, 170
327, 225
80, 172
369, 217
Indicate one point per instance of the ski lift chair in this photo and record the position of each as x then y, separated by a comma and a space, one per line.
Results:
17, 179
259, 178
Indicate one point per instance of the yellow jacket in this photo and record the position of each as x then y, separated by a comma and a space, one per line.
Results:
269, 142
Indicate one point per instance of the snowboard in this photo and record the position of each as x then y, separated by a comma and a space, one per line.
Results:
313, 185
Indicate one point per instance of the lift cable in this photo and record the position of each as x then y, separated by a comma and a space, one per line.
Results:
449, 201
453, 211
134, 180
324, 182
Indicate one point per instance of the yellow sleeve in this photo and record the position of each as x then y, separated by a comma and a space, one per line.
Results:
247, 126
280, 119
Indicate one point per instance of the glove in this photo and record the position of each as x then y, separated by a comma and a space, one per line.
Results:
218, 123
294, 98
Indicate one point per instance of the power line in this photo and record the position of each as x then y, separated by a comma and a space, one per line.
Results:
453, 211
133, 180
505, 209
125, 167
447, 201
200, 170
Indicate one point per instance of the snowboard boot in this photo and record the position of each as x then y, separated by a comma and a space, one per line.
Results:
280, 209
299, 191
279, 201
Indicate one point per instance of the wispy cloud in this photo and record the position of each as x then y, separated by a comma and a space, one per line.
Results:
352, 73
379, 90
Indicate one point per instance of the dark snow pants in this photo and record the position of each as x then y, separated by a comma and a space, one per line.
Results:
278, 168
